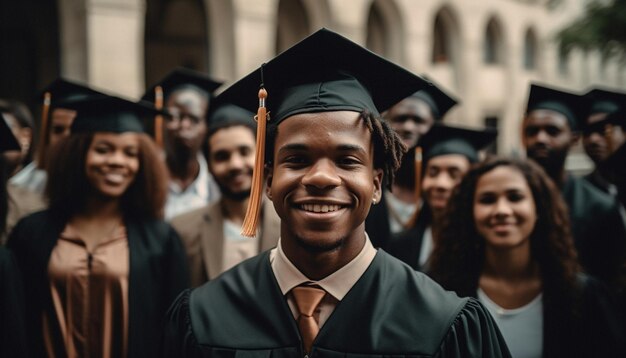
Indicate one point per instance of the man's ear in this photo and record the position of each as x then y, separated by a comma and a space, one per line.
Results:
378, 185
575, 138
269, 175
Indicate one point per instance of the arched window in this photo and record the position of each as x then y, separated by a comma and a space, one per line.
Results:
493, 51
441, 47
30, 52
176, 35
385, 34
293, 24
376, 30
530, 50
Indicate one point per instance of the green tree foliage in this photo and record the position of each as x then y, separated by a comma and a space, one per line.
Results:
602, 27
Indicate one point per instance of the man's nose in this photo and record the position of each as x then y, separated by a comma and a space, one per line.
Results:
322, 175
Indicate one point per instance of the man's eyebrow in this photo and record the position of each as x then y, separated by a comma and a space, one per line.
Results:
293, 146
303, 147
351, 148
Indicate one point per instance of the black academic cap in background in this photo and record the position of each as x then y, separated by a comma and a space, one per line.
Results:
444, 139
227, 115
181, 77
7, 139
439, 101
574, 107
605, 101
62, 90
110, 114
325, 72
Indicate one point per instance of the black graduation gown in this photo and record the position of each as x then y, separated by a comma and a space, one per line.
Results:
377, 223
598, 229
407, 245
12, 331
158, 273
391, 310
600, 184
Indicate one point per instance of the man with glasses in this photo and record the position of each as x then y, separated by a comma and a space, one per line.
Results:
186, 95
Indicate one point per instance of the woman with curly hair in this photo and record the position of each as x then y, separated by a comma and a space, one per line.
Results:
506, 241
99, 266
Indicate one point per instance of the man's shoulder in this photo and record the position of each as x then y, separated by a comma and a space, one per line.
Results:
594, 199
239, 280
402, 282
192, 220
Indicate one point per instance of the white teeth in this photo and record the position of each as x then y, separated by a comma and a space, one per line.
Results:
316, 208
115, 178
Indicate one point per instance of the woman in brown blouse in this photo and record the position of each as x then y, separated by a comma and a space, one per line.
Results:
99, 266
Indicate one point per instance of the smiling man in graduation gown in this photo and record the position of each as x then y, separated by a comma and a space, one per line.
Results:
324, 291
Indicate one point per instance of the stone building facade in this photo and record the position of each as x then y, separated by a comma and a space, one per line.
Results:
483, 51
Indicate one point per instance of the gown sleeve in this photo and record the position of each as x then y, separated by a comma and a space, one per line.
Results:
178, 270
12, 325
473, 334
178, 338
602, 330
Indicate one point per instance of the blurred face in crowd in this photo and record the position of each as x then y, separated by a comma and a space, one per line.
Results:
547, 137
322, 180
186, 128
442, 174
231, 160
596, 138
112, 163
60, 123
410, 119
504, 209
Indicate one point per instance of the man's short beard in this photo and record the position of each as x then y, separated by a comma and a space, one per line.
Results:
318, 249
234, 196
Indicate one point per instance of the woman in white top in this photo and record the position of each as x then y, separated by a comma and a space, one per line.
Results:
506, 240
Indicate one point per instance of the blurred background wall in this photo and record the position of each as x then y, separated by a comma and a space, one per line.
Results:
483, 51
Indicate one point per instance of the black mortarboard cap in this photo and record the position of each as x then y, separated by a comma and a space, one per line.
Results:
110, 114
226, 115
605, 101
62, 90
325, 72
439, 101
574, 107
181, 77
445, 139
7, 138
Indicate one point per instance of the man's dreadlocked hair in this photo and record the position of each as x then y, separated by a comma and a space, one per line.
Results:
388, 148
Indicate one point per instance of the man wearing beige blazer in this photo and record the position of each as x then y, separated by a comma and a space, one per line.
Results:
211, 235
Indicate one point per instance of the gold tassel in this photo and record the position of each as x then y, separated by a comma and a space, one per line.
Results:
608, 135
158, 120
251, 221
43, 136
418, 188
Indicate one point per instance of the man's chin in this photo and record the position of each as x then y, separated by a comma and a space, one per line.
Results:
235, 195
317, 246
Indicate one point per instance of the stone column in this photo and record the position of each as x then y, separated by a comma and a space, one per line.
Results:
115, 38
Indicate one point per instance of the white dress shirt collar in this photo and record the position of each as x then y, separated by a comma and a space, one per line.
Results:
337, 284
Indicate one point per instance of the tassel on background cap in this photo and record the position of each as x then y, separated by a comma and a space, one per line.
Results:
251, 221
43, 137
158, 120
418, 187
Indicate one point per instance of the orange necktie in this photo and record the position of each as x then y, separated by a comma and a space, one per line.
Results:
307, 299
